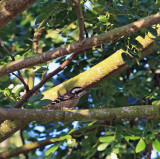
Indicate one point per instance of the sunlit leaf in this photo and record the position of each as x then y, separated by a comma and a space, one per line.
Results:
156, 145
107, 139
140, 146
52, 149
102, 147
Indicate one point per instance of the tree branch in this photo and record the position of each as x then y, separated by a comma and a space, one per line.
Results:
8, 128
45, 79
80, 46
110, 66
11, 9
34, 145
139, 111
26, 148
22, 80
80, 19
36, 38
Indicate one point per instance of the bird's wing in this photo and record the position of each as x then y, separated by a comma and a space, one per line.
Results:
64, 97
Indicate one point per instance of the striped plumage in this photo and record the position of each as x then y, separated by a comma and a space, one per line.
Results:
68, 100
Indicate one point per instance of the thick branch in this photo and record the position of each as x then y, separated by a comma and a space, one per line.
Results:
80, 46
10, 126
147, 112
114, 64
10, 9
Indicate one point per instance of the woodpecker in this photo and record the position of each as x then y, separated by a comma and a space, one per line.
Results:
68, 100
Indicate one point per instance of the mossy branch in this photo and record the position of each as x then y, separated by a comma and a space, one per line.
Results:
139, 111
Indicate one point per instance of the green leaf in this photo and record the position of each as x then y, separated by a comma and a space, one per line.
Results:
107, 139
29, 54
156, 145
42, 69
132, 137
4, 78
102, 18
18, 57
127, 59
35, 98
71, 131
110, 133
102, 147
133, 53
42, 102
51, 150
62, 138
153, 31
140, 146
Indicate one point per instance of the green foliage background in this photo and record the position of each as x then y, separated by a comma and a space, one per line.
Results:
138, 85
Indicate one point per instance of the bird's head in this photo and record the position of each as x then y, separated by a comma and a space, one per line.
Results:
78, 91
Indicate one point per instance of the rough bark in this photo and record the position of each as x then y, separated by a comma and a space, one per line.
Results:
147, 112
10, 9
9, 126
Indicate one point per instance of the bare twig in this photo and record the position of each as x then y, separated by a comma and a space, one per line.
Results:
19, 76
45, 79
36, 38
80, 19
23, 141
13, 59
6, 50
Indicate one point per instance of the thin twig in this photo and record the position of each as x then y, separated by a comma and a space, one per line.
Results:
45, 79
80, 19
13, 59
6, 50
23, 141
19, 76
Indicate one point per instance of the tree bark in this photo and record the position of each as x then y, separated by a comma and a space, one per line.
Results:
139, 111
10, 9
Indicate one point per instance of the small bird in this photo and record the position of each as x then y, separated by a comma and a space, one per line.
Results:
68, 100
